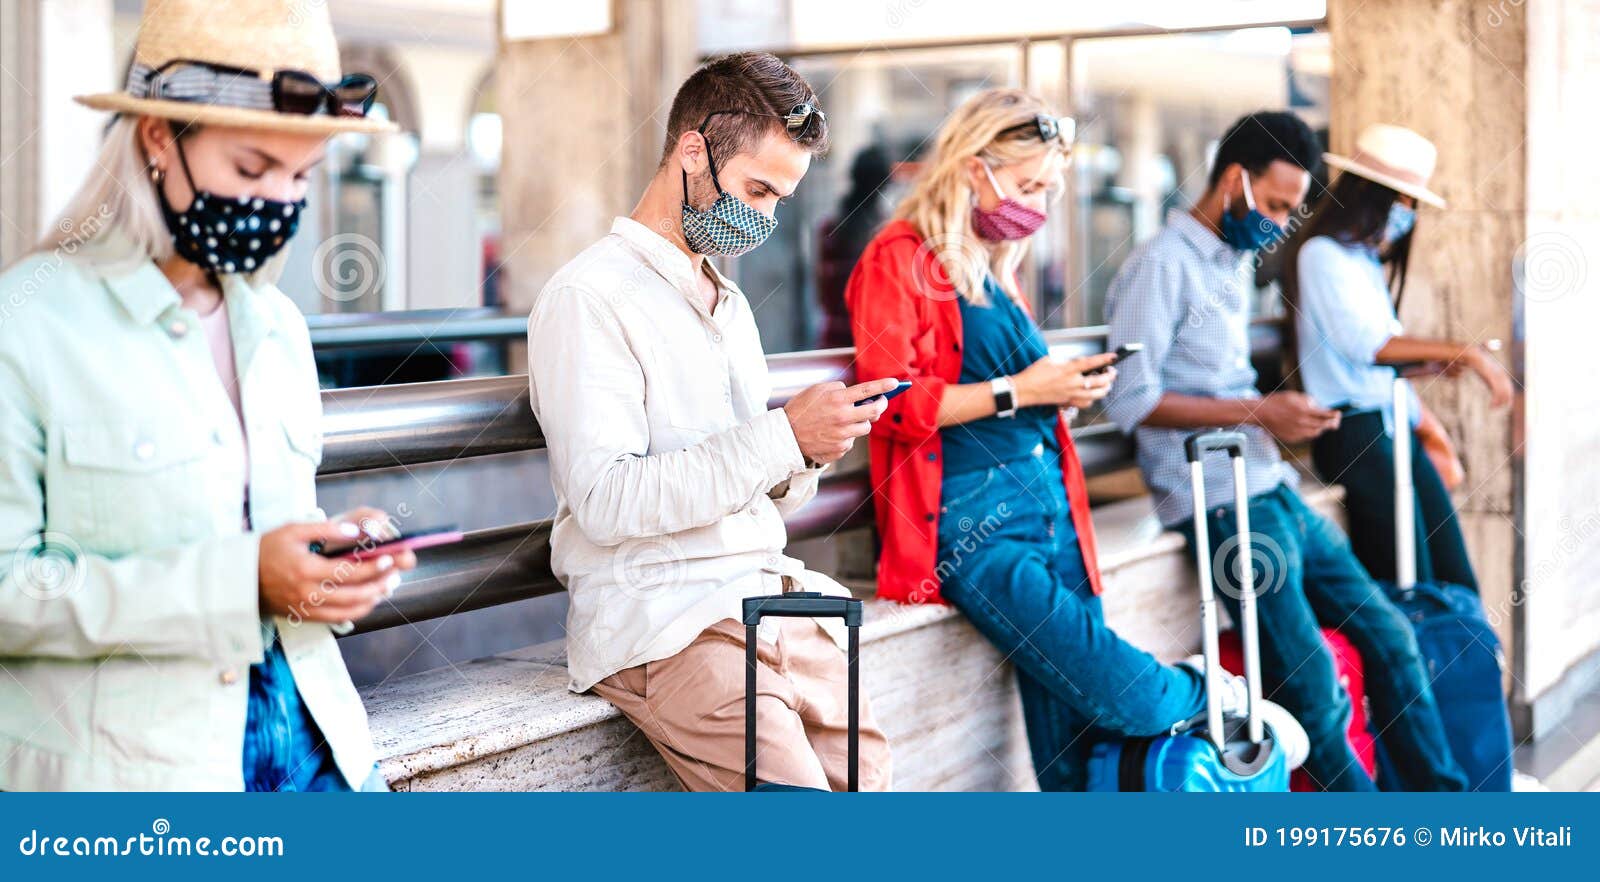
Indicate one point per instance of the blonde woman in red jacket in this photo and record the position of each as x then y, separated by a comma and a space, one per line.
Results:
978, 490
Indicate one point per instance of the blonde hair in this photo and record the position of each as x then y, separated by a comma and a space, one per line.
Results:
114, 220
939, 206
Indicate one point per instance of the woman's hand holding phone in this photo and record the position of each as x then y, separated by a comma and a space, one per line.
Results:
1077, 382
298, 583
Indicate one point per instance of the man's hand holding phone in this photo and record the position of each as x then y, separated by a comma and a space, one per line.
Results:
827, 419
1293, 417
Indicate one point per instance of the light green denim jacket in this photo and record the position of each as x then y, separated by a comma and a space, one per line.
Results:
128, 592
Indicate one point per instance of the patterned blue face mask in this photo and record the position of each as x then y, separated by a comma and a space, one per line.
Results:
728, 227
1402, 218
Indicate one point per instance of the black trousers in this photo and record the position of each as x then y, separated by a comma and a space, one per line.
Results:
1360, 456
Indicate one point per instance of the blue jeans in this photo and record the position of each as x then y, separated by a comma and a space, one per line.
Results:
1306, 574
283, 748
1009, 560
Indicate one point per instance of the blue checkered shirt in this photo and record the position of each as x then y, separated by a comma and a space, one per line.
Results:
1185, 295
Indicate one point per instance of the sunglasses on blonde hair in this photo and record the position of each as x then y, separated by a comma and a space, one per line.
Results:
1046, 128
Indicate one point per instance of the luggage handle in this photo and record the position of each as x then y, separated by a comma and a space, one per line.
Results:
1196, 446
805, 605
1405, 516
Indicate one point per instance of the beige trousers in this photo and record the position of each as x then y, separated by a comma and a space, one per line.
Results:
691, 707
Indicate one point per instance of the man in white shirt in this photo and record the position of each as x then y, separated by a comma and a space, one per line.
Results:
672, 477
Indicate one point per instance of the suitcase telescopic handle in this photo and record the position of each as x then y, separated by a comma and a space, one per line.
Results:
1234, 444
1202, 443
1405, 517
805, 605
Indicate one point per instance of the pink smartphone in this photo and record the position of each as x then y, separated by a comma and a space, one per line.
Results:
411, 540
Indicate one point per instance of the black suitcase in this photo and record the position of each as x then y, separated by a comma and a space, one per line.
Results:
805, 605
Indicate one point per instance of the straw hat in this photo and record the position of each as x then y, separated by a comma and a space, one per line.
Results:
265, 36
1395, 157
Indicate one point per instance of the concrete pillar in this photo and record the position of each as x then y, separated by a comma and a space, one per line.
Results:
1501, 87
50, 52
584, 120
18, 120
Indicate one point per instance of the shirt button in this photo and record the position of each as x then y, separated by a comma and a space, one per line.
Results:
143, 450
178, 328
229, 677
716, 338
216, 437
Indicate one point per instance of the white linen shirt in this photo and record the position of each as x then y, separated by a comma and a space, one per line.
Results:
1346, 316
671, 475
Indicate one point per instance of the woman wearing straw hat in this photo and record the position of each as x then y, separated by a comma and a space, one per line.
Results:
164, 624
1350, 260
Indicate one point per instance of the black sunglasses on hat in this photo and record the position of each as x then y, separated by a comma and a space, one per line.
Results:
289, 91
1046, 128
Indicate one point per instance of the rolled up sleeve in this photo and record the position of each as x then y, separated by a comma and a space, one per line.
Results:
1143, 305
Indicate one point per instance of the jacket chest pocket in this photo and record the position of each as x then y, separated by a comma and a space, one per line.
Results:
126, 487
286, 489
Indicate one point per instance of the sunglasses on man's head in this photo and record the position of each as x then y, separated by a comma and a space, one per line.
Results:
798, 122
292, 91
1046, 128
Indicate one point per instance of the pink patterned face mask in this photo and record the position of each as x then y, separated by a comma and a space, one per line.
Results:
1008, 220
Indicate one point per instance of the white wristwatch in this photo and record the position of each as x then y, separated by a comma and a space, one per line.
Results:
1005, 397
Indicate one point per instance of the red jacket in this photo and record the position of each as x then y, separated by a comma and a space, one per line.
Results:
907, 324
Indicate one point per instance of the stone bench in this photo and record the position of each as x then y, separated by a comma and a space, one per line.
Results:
942, 694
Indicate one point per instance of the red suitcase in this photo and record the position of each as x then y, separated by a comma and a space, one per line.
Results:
1347, 662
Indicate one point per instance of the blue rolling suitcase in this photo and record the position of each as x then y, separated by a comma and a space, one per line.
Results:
1463, 654
812, 605
1212, 754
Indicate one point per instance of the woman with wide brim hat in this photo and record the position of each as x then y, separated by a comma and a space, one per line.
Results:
164, 622
1346, 272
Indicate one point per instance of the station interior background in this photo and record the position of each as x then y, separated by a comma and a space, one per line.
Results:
418, 221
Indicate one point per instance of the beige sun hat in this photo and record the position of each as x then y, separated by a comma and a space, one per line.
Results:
1395, 157
260, 37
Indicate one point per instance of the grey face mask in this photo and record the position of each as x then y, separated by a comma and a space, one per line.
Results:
728, 227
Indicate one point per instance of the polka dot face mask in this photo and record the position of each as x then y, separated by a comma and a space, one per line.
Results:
228, 234
728, 227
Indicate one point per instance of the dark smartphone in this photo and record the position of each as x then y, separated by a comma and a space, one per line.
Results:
1122, 352
904, 385
411, 540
